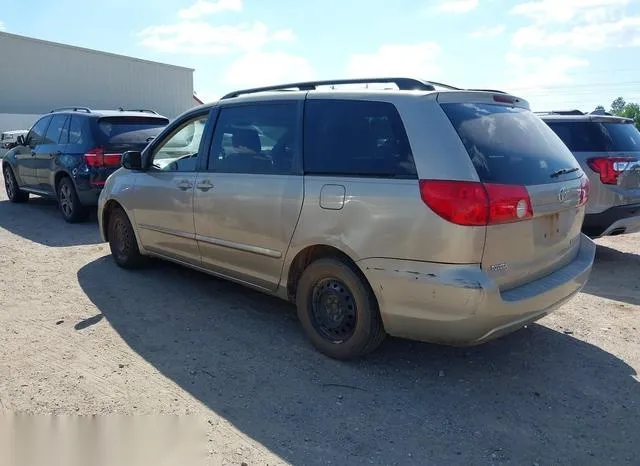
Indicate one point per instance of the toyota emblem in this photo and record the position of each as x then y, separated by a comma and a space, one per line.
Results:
562, 194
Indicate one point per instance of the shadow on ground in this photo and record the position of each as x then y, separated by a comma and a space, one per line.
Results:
537, 396
40, 221
616, 276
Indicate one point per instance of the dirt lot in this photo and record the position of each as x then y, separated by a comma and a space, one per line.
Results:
80, 336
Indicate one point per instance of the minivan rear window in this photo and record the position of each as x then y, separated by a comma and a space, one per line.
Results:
591, 136
511, 145
130, 129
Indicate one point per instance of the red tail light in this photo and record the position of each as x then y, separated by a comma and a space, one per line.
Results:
473, 203
610, 168
584, 190
96, 158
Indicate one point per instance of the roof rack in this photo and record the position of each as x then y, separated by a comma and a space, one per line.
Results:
73, 109
143, 110
404, 84
560, 112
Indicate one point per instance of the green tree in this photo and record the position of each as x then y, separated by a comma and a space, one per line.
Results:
599, 108
621, 108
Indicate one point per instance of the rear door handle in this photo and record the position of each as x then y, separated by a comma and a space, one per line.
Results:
204, 185
184, 185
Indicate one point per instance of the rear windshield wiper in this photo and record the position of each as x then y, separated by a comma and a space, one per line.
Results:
564, 171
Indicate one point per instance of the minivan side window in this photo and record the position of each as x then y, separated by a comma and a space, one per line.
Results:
53, 135
36, 134
356, 138
179, 151
259, 138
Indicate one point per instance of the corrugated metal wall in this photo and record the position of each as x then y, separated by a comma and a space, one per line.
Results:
38, 76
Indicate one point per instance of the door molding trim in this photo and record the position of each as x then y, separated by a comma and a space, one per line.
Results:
240, 246
168, 231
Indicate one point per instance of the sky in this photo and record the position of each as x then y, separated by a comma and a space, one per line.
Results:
557, 54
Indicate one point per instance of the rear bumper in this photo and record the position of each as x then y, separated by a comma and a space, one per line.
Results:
89, 184
460, 304
616, 220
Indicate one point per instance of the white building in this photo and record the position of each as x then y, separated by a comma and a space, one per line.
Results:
38, 76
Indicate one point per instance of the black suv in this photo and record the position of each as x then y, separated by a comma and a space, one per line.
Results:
69, 153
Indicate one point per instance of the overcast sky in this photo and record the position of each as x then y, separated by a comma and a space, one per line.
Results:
555, 53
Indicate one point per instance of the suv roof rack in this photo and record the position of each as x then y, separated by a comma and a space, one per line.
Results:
143, 110
560, 112
404, 84
73, 109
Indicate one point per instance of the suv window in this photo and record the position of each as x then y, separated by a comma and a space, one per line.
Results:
356, 138
510, 145
259, 138
179, 152
118, 130
76, 126
591, 136
58, 122
36, 134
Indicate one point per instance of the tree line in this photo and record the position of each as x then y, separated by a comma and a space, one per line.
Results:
622, 108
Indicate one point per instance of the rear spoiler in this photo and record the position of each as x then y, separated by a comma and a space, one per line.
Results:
482, 96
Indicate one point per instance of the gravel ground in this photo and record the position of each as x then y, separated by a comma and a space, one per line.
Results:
80, 336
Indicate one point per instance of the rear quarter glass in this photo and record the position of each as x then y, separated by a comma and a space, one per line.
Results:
510, 145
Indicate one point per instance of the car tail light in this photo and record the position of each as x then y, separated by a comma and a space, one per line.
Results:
96, 158
585, 185
473, 203
610, 168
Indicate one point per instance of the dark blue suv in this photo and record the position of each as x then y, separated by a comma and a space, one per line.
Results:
69, 153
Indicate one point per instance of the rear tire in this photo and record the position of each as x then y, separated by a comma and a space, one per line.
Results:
122, 241
14, 193
338, 310
69, 203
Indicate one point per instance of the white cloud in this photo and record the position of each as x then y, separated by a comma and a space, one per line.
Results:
529, 74
487, 31
416, 60
266, 68
201, 38
1, 25
592, 37
205, 7
458, 6
567, 10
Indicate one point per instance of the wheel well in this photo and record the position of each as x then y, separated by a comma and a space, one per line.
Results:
58, 178
106, 212
309, 255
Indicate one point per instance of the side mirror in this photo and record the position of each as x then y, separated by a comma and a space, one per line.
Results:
21, 140
132, 160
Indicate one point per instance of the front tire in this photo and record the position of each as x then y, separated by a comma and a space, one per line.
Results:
122, 241
69, 203
14, 193
338, 310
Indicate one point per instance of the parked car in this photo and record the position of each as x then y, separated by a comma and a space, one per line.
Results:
69, 153
9, 140
608, 150
425, 212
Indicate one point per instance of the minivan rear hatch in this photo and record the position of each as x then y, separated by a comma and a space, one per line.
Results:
535, 187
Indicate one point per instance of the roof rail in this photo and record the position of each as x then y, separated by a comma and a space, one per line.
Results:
144, 110
560, 112
404, 84
74, 109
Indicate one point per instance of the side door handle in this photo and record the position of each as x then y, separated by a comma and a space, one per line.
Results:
184, 185
205, 185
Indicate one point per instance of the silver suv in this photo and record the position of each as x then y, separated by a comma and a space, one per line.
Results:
608, 150
424, 212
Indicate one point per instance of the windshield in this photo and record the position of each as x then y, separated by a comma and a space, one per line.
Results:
510, 145
597, 137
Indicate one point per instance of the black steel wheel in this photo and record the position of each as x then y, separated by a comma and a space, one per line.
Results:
14, 193
69, 203
338, 309
122, 240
